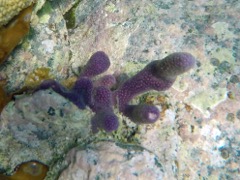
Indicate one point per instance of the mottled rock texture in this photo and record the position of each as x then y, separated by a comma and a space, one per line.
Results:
106, 160
39, 127
197, 135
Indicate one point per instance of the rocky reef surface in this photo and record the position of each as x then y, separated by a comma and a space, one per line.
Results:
40, 127
197, 134
108, 160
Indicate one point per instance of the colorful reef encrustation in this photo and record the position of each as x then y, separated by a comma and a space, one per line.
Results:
11, 8
158, 75
32, 170
14, 31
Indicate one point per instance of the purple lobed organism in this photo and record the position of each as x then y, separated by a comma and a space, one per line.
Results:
108, 81
106, 120
104, 117
142, 113
83, 88
50, 83
79, 95
158, 75
102, 99
97, 64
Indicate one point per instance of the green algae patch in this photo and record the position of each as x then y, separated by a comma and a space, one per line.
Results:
131, 68
204, 101
223, 54
44, 13
222, 31
180, 84
70, 16
110, 7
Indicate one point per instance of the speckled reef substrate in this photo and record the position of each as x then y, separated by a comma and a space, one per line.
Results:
198, 133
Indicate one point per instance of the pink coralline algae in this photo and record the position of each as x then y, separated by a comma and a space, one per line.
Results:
158, 75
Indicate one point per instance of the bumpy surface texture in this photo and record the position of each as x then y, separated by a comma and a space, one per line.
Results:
10, 8
13, 33
158, 75
197, 135
106, 160
40, 127
97, 64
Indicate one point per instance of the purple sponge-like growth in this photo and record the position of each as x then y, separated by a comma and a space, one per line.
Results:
107, 81
83, 87
102, 99
77, 99
158, 75
80, 94
55, 86
105, 120
102, 105
97, 64
50, 83
172, 66
142, 114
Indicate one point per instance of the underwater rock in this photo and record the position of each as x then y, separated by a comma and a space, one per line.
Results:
34, 78
40, 127
189, 144
46, 45
106, 160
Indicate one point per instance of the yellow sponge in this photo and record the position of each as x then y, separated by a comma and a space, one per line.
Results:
14, 31
11, 8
